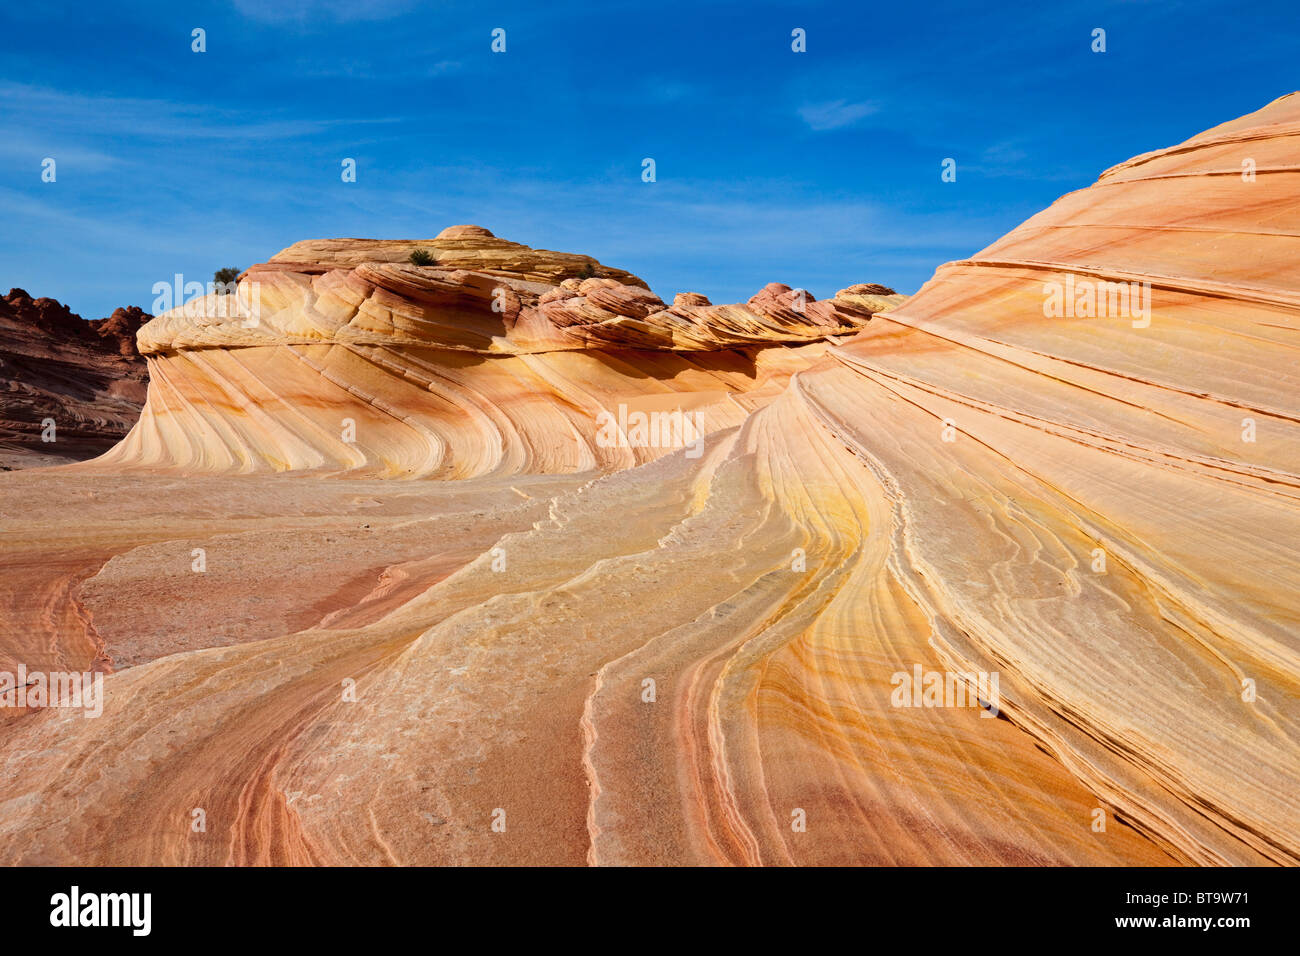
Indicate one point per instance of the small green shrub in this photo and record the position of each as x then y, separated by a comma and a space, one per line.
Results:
421, 257
588, 271
223, 280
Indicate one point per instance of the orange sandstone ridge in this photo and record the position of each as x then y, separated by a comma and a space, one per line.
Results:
723, 658
342, 356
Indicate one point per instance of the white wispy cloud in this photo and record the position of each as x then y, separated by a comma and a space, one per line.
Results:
32, 149
337, 11
164, 120
834, 115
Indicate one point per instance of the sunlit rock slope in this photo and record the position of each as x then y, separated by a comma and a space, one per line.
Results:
1085, 521
343, 356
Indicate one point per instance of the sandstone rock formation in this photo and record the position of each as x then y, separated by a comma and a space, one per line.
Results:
342, 356
85, 376
699, 659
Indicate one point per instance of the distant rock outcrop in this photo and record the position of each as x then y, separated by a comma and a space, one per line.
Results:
342, 355
87, 378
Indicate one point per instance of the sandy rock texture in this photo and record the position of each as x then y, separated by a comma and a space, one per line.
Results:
342, 356
674, 659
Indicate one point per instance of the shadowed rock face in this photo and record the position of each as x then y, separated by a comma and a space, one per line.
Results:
700, 660
342, 356
86, 376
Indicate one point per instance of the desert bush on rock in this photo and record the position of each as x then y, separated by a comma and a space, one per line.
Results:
223, 280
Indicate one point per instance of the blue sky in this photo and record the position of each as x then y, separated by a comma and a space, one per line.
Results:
819, 169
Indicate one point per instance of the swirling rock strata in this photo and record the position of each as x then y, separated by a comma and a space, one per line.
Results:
343, 356
697, 660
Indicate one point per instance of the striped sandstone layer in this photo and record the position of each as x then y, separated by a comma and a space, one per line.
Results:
1102, 510
70, 389
341, 356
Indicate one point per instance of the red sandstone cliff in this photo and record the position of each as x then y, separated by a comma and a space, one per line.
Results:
85, 376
